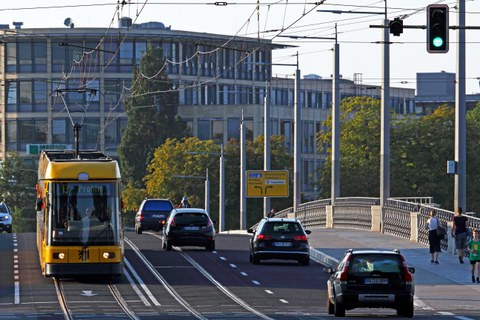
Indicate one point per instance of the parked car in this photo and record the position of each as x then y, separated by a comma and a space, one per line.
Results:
371, 279
5, 218
189, 227
152, 214
279, 238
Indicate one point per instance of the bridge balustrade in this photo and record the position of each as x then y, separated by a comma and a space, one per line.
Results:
402, 217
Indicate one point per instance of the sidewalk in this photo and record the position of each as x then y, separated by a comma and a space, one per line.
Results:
446, 286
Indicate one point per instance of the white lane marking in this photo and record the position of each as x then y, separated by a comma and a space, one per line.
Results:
419, 304
256, 282
463, 318
232, 265
15, 261
141, 283
15, 257
269, 291
16, 277
283, 301
135, 288
17, 293
15, 250
244, 274
223, 258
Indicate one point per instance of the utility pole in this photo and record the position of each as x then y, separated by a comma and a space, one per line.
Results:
297, 143
243, 170
335, 191
460, 114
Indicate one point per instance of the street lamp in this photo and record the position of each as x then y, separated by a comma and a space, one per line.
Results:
221, 195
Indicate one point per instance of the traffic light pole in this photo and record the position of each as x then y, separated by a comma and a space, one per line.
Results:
460, 113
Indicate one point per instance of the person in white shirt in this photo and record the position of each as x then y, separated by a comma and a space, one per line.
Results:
433, 238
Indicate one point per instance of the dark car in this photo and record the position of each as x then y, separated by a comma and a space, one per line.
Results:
279, 238
371, 279
189, 227
152, 215
5, 218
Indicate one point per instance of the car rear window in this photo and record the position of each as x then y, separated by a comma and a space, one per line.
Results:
282, 227
375, 262
155, 205
191, 217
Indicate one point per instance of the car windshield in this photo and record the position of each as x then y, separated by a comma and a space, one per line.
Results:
375, 263
3, 208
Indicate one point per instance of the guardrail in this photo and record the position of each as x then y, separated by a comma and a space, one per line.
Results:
402, 217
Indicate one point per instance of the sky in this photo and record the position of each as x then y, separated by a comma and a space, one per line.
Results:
360, 50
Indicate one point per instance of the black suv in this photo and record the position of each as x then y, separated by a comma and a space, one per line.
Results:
5, 218
189, 227
152, 215
279, 238
371, 279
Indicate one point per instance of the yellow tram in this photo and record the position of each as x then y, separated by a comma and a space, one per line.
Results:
79, 225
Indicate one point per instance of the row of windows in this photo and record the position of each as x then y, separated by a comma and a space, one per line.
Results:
19, 133
84, 56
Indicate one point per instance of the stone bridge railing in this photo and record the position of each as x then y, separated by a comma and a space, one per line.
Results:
402, 217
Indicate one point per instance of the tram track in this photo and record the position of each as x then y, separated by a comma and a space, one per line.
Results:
253, 313
74, 308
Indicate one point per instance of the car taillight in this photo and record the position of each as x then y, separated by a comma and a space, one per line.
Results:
140, 216
343, 274
300, 238
263, 237
408, 275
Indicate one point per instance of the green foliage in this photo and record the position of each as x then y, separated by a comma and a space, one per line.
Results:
178, 168
24, 220
152, 117
17, 189
419, 150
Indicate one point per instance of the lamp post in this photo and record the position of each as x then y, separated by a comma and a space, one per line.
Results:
221, 193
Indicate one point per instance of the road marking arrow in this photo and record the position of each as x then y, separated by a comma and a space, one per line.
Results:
88, 293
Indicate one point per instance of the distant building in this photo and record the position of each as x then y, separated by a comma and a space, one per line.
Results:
48, 74
437, 88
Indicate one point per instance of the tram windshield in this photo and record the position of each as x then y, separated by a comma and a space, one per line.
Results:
85, 213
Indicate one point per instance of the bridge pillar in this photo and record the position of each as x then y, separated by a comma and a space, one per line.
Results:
414, 226
329, 211
376, 218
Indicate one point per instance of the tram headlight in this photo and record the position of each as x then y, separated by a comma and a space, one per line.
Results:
108, 255
59, 255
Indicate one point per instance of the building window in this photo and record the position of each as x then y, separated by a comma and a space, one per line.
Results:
11, 52
11, 135
25, 56
11, 96
40, 56
59, 134
26, 93
40, 95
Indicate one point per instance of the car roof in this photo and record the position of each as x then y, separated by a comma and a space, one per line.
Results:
155, 199
199, 210
371, 251
281, 220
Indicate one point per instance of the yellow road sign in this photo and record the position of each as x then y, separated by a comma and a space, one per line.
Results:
271, 183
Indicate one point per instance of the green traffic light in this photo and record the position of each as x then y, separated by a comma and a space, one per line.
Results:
437, 42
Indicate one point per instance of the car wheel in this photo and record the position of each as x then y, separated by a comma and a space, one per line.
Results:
9, 230
210, 246
406, 310
338, 309
255, 259
138, 229
330, 306
305, 261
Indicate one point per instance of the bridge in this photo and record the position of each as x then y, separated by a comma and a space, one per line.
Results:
402, 217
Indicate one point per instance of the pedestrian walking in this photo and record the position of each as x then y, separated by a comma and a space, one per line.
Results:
474, 246
459, 232
433, 237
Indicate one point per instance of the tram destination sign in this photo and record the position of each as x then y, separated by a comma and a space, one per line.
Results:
270, 183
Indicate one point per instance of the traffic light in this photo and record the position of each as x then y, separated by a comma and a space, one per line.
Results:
437, 28
396, 26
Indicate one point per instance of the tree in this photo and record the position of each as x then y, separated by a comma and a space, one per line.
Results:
17, 189
151, 117
359, 148
178, 168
